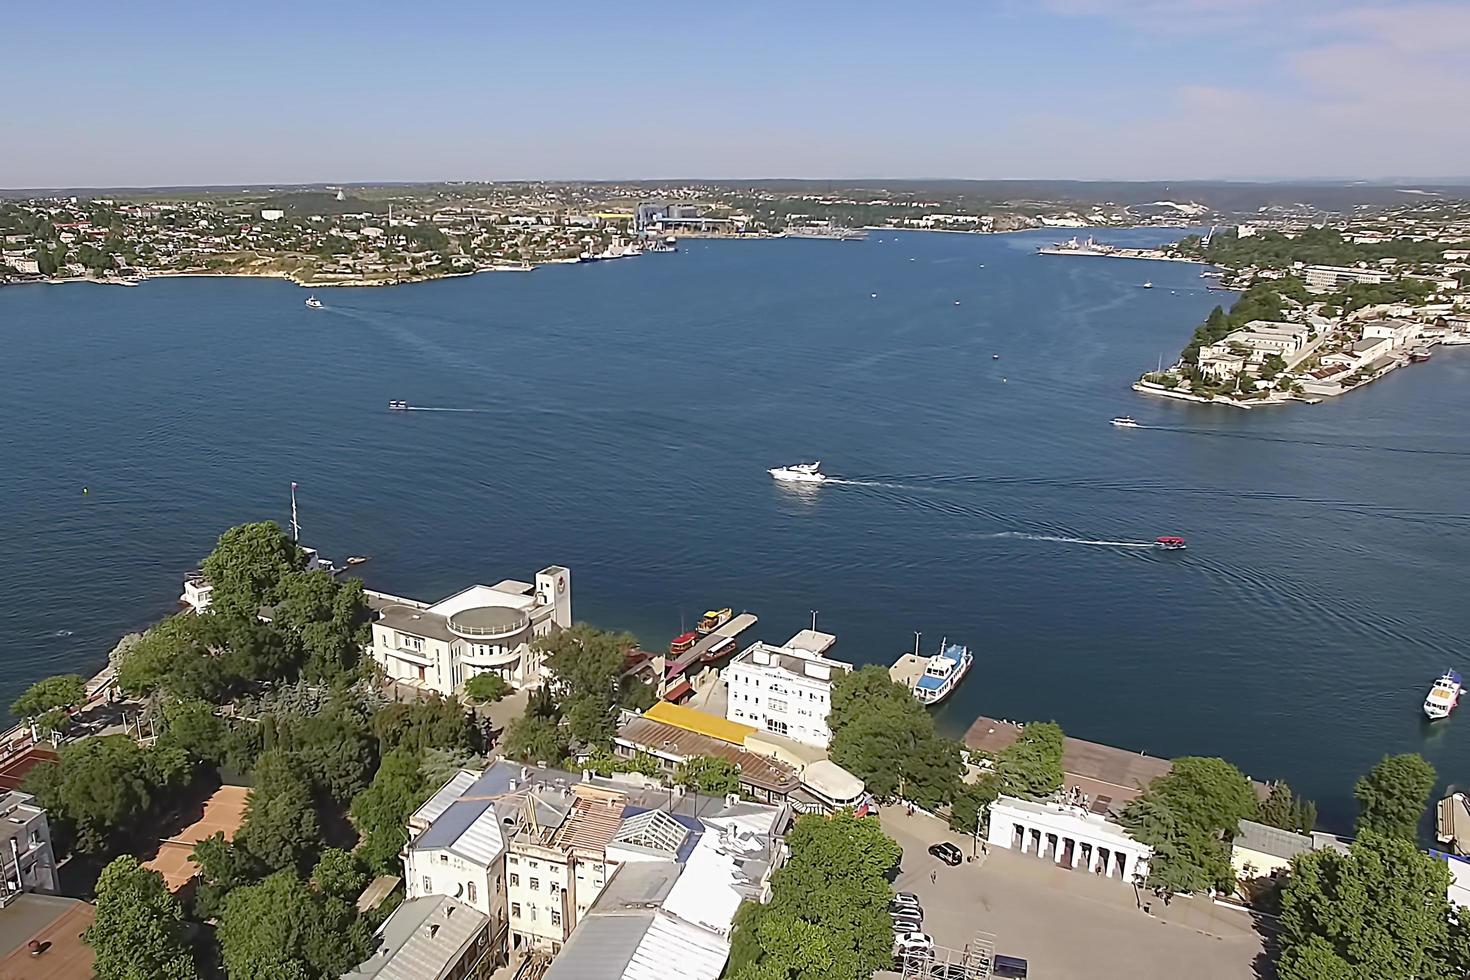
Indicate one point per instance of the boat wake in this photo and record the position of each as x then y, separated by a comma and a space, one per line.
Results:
838, 481
1060, 539
431, 408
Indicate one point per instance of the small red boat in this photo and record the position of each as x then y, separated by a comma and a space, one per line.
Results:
683, 643
1170, 544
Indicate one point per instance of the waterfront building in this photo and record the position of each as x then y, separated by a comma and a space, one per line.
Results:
1219, 361
484, 629
1071, 836
27, 861
431, 938
1260, 850
1397, 332
673, 735
786, 689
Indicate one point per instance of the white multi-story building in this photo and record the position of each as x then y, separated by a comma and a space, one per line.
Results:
1397, 332
486, 629
785, 689
1326, 278
27, 862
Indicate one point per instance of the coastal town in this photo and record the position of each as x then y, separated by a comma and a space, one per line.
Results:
1325, 306
298, 776
375, 236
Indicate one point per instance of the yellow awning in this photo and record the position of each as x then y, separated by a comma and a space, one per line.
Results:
700, 722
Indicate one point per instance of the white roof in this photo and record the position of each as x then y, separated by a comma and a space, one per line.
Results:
1459, 893
674, 950
1068, 819
479, 596
446, 795
832, 781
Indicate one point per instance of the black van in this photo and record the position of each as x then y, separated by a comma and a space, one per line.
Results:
1009, 967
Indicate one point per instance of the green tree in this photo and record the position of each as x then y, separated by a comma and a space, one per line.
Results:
1031, 766
138, 932
1378, 911
1284, 809
247, 565
827, 919
532, 738
280, 829
223, 867
886, 738
972, 802
380, 812
280, 928
326, 616
435, 723
1189, 816
709, 775
339, 874
586, 664
65, 691
1394, 795
486, 688
193, 726
101, 788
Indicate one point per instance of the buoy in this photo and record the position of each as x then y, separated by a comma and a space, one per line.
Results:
956, 302
85, 491
875, 295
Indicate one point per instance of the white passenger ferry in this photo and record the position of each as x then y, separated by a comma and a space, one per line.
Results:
1443, 696
943, 674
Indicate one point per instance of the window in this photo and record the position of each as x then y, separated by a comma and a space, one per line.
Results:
514, 859
555, 917
470, 890
534, 864
535, 884
779, 727
515, 880
428, 884
444, 857
777, 704
532, 910
515, 910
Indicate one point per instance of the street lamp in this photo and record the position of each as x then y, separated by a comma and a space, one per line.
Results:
1137, 898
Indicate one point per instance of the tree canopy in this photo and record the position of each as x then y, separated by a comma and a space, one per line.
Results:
486, 688
882, 735
586, 665
101, 788
1031, 766
64, 691
1378, 911
709, 775
280, 830
380, 812
1189, 816
1394, 794
138, 932
281, 928
1284, 809
247, 565
827, 919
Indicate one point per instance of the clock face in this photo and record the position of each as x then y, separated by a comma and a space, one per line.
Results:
561, 584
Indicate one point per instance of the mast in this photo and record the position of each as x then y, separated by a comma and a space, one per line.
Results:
295, 527
917, 634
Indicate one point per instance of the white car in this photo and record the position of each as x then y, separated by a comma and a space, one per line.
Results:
905, 898
913, 940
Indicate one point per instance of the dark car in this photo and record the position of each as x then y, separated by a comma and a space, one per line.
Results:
946, 852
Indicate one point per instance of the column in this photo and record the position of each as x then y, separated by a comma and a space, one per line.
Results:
1076, 853
1061, 849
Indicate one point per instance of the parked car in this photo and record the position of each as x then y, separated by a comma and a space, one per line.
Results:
906, 924
913, 940
1010, 967
905, 898
947, 853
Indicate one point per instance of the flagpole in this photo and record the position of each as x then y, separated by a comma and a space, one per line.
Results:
295, 527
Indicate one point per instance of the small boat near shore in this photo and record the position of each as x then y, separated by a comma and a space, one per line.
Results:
313, 303
799, 473
943, 674
1443, 696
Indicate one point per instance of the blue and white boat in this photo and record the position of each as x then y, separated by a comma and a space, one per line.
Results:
943, 674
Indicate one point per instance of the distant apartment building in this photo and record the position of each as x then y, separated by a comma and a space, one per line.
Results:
1327, 278
785, 689
27, 862
486, 629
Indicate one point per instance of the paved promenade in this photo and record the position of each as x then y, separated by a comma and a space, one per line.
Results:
1068, 925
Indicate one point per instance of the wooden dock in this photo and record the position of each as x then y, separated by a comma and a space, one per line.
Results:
737, 625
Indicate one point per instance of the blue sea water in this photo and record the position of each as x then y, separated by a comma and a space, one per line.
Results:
619, 418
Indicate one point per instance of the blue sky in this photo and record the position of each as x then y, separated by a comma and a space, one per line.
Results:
151, 93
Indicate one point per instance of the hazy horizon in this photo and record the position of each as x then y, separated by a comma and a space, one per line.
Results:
1085, 90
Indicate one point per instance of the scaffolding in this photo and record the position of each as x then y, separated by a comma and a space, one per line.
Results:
974, 962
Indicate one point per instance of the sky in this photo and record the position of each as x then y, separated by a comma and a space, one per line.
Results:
107, 94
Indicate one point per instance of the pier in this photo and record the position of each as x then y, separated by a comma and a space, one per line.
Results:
907, 669
673, 684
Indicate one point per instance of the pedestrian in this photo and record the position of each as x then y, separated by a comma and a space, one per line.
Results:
934, 876
984, 849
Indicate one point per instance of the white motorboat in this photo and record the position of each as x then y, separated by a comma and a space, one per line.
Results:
313, 303
943, 674
1125, 422
799, 473
1443, 696
1148, 285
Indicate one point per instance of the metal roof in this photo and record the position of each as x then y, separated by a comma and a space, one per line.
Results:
653, 829
673, 949
422, 940
1265, 839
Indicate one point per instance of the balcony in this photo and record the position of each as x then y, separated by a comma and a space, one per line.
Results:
488, 623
